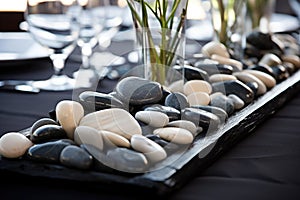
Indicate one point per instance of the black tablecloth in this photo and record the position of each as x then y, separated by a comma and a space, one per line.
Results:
264, 165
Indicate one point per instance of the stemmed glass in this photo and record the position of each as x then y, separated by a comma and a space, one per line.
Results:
91, 21
51, 23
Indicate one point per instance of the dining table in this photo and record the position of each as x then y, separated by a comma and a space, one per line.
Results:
263, 165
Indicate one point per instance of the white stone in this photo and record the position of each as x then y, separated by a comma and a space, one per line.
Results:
176, 86
196, 86
68, 114
153, 118
175, 135
153, 151
115, 120
237, 101
113, 139
294, 59
14, 145
221, 77
214, 47
88, 135
198, 98
247, 77
270, 59
267, 79
185, 124
228, 61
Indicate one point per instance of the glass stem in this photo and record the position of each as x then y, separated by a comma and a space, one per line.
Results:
86, 52
58, 61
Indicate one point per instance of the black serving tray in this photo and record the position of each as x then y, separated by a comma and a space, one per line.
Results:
202, 152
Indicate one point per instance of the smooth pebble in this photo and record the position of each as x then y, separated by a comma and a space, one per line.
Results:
174, 134
14, 144
153, 151
68, 114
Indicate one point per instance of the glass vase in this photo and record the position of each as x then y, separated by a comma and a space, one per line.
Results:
228, 19
160, 27
259, 13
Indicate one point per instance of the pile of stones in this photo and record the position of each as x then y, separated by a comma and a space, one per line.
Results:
142, 123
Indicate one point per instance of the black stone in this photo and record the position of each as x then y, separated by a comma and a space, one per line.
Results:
221, 113
192, 73
76, 157
280, 73
146, 128
42, 122
202, 118
138, 91
289, 67
46, 133
264, 43
176, 100
263, 68
47, 152
215, 68
94, 101
172, 113
234, 87
253, 86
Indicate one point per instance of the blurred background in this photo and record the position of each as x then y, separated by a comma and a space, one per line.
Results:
11, 12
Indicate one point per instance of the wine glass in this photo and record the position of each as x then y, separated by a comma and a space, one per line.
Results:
91, 21
51, 23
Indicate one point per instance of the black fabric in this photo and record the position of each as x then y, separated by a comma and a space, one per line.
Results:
264, 165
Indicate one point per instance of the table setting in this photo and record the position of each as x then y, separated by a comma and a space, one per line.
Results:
101, 96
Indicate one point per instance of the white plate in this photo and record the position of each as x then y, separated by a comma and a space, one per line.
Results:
19, 46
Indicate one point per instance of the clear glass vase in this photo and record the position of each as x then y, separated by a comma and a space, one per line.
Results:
259, 13
229, 23
160, 27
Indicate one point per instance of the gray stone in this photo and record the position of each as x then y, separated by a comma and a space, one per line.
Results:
138, 91
176, 100
76, 157
127, 160
222, 101
94, 101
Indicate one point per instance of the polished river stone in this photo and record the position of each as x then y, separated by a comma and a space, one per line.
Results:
76, 157
94, 101
192, 73
153, 151
127, 160
115, 120
138, 91
41, 122
47, 132
234, 87
14, 145
172, 113
47, 152
177, 100
201, 118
